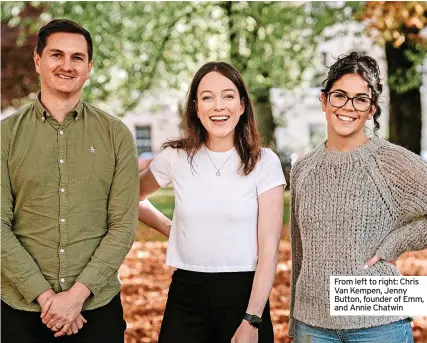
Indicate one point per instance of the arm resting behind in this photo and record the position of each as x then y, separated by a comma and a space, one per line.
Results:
148, 214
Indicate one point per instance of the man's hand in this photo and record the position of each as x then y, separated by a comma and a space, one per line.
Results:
42, 298
64, 308
75, 326
245, 333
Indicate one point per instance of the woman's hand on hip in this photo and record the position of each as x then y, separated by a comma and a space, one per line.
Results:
375, 260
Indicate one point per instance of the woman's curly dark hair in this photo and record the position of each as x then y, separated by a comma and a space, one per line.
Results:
365, 66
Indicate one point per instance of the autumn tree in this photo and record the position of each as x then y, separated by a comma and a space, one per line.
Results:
18, 77
398, 26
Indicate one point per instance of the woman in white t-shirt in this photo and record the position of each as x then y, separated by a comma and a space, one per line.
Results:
228, 216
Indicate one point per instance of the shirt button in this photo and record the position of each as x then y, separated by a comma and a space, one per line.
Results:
62, 280
61, 250
62, 190
61, 132
61, 161
62, 220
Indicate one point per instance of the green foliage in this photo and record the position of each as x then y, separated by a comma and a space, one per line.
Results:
274, 43
145, 45
133, 43
398, 25
10, 11
409, 76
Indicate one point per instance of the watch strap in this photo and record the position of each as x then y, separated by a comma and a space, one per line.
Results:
253, 319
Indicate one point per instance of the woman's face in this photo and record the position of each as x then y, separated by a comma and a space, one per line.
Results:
218, 106
347, 121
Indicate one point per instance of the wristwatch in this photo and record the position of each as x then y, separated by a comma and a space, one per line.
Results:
254, 320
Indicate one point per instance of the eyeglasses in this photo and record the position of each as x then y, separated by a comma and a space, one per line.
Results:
339, 100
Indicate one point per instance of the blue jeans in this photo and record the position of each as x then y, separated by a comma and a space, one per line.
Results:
396, 332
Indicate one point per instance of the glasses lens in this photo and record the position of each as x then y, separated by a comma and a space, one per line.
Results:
362, 104
337, 99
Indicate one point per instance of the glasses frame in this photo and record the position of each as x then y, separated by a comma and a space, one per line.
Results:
328, 94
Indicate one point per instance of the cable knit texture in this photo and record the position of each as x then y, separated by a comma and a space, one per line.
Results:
345, 208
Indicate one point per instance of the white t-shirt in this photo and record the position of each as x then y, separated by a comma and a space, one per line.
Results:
214, 226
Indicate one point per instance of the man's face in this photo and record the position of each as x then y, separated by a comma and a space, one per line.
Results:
64, 63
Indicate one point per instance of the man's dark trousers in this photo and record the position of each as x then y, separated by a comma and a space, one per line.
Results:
104, 325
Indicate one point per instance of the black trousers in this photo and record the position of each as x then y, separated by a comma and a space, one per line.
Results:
209, 307
104, 324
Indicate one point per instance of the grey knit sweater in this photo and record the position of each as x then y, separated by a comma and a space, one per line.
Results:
345, 208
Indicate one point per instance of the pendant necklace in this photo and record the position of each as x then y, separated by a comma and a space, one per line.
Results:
218, 173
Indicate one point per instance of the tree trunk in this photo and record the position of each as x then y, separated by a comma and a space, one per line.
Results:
405, 107
261, 100
265, 120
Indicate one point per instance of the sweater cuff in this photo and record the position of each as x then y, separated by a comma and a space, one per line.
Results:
291, 328
92, 279
35, 285
411, 236
386, 255
388, 250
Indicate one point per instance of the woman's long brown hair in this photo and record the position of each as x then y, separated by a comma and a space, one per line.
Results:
247, 139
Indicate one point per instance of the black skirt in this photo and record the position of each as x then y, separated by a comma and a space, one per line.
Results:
209, 307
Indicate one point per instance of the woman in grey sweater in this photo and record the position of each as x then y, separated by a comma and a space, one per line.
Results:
354, 199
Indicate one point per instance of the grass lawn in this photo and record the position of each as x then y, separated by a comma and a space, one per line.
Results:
164, 201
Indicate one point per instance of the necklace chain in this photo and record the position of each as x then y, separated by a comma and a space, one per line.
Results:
218, 173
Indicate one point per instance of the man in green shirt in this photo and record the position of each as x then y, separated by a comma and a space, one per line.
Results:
69, 197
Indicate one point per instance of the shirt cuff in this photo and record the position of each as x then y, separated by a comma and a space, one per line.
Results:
92, 279
35, 285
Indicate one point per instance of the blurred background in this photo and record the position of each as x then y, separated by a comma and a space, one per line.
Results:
145, 54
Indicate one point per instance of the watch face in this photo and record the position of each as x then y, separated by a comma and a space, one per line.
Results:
253, 320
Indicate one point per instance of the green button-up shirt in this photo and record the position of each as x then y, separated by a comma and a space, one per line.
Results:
69, 202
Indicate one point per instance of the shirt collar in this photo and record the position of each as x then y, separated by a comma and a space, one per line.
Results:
43, 114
